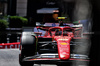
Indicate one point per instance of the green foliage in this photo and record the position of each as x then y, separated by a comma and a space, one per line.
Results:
76, 22
3, 24
14, 17
5, 17
17, 21
19, 17
24, 20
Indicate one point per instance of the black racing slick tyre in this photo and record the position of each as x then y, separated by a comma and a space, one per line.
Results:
28, 43
25, 63
28, 47
63, 64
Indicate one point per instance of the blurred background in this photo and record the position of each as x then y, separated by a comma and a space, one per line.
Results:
15, 14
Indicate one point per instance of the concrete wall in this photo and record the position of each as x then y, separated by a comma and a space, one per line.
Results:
21, 7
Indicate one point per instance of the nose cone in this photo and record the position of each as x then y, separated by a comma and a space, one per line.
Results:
64, 56
63, 44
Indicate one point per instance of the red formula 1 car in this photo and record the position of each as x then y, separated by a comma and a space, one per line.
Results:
55, 45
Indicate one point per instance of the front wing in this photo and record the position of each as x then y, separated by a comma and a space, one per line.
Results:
54, 60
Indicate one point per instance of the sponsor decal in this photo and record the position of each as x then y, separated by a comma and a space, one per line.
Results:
56, 24
63, 39
64, 43
1, 46
80, 25
53, 25
34, 59
9, 46
64, 56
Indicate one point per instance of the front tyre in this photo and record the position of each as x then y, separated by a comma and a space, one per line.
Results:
63, 64
28, 47
24, 63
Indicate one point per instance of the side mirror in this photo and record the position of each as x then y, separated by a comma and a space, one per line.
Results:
38, 24
38, 33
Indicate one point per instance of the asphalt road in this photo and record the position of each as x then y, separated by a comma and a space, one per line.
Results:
9, 57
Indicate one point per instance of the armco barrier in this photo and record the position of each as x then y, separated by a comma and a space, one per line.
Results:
10, 45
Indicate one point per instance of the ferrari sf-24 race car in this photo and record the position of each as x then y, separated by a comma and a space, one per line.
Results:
56, 46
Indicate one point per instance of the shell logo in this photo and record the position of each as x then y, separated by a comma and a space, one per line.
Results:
64, 56
63, 43
34, 59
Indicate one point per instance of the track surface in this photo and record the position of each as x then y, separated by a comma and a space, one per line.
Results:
9, 57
